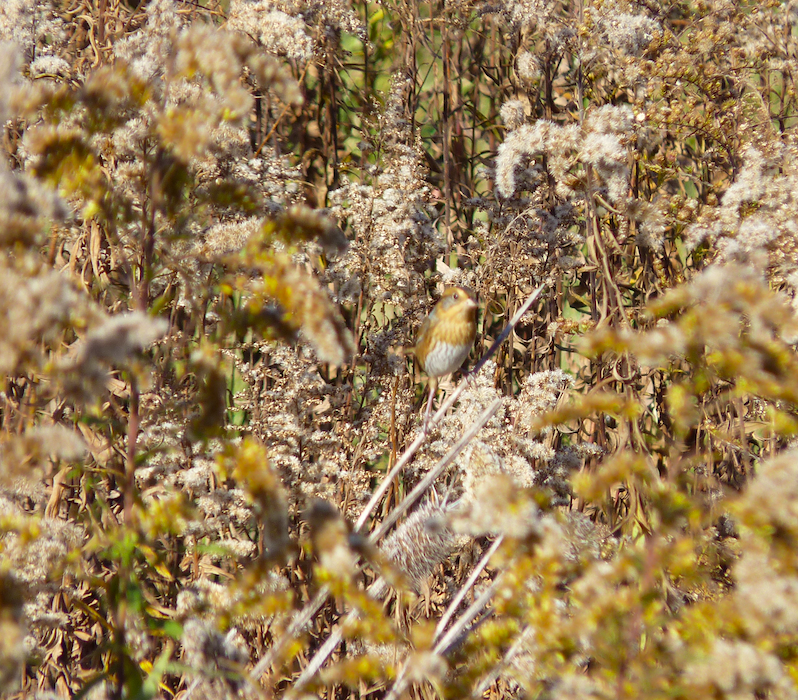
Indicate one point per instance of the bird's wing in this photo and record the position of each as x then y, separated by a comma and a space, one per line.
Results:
422, 331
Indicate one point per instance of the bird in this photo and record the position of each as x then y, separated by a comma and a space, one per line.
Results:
445, 337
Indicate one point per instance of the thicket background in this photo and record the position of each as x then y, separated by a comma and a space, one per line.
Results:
221, 221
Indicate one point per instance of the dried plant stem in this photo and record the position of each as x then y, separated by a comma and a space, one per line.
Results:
190, 690
300, 621
435, 472
502, 336
304, 617
447, 132
478, 569
321, 656
130, 458
494, 673
404, 460
279, 119
332, 642
470, 613
405, 678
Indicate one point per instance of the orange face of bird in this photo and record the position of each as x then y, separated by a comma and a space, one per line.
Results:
447, 334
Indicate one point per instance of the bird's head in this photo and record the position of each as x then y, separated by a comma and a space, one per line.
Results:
457, 301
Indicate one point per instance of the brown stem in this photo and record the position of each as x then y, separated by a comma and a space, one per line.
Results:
148, 239
101, 22
332, 114
132, 438
447, 132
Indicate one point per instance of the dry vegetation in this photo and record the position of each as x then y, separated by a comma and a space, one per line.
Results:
220, 222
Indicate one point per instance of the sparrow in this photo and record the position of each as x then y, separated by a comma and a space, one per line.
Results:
445, 337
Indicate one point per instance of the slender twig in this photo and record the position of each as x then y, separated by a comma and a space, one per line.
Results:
300, 621
405, 678
277, 121
478, 569
191, 688
436, 471
512, 652
471, 612
324, 653
405, 459
506, 332
133, 426
195, 683
337, 634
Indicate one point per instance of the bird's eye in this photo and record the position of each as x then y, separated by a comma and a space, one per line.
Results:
456, 295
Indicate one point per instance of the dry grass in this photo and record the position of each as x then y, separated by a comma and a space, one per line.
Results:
221, 222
